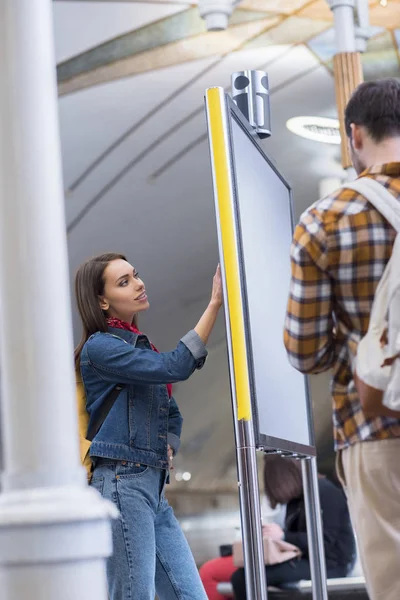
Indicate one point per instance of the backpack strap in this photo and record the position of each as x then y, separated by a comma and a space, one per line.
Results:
387, 205
109, 401
376, 193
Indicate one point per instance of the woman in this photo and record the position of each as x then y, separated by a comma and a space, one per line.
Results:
220, 570
133, 449
283, 485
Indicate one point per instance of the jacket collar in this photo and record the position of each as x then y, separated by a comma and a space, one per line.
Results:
126, 335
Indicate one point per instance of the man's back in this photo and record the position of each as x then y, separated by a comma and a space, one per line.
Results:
339, 253
340, 249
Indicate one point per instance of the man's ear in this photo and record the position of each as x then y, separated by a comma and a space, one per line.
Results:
104, 305
357, 136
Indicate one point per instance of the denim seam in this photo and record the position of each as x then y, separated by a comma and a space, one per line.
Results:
134, 475
96, 367
168, 572
150, 399
126, 542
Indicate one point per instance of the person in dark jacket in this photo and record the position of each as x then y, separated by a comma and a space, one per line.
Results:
283, 485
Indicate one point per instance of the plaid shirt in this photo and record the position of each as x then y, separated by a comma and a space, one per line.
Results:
339, 251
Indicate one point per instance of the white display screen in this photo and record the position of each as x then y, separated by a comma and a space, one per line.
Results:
266, 232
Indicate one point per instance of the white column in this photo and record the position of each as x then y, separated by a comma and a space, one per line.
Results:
362, 25
343, 14
347, 64
54, 530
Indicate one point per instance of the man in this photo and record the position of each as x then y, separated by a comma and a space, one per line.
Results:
339, 252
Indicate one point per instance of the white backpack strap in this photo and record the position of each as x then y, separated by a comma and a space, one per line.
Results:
384, 202
387, 205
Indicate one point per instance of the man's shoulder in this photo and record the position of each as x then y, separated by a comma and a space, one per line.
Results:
340, 203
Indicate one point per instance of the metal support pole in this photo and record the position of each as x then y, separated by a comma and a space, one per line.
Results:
314, 529
54, 529
250, 92
249, 496
343, 11
219, 136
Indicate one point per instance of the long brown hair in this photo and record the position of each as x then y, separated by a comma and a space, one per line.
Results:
282, 479
89, 286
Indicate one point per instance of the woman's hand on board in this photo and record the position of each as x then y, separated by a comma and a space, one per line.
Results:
207, 321
216, 293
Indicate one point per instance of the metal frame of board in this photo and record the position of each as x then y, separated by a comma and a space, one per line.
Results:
264, 441
219, 108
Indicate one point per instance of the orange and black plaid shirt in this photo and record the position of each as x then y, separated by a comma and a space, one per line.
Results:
339, 252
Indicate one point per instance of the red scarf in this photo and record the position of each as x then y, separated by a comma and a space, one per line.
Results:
118, 324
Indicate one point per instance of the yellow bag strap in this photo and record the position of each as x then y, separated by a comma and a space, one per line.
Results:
83, 417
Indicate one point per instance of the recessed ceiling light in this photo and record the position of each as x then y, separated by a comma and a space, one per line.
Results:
318, 129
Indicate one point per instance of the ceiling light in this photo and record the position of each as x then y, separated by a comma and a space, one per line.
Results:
318, 129
186, 476
383, 2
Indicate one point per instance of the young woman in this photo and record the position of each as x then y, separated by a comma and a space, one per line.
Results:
283, 485
133, 449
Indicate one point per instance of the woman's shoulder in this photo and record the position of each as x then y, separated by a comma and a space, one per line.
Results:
99, 342
329, 492
326, 483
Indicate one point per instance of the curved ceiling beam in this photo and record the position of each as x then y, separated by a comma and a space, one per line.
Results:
154, 144
175, 2
133, 128
121, 174
124, 54
176, 158
177, 52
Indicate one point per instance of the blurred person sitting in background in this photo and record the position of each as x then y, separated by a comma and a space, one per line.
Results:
283, 484
220, 570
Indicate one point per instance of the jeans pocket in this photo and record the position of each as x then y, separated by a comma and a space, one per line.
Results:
98, 483
129, 469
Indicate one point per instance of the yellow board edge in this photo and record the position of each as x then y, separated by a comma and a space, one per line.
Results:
215, 101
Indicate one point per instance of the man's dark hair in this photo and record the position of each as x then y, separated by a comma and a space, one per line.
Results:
375, 105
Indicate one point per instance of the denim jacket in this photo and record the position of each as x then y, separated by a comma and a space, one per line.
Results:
143, 420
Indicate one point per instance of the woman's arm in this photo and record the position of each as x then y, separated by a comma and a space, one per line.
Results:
299, 539
335, 517
333, 505
114, 360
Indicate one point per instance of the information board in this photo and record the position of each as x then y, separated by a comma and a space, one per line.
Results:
262, 212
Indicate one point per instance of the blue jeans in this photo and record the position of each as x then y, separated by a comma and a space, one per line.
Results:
151, 554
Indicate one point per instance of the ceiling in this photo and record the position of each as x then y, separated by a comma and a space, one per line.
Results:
136, 167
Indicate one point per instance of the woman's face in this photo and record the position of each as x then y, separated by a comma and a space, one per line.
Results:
124, 293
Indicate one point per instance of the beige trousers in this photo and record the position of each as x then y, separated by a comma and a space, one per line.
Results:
370, 474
